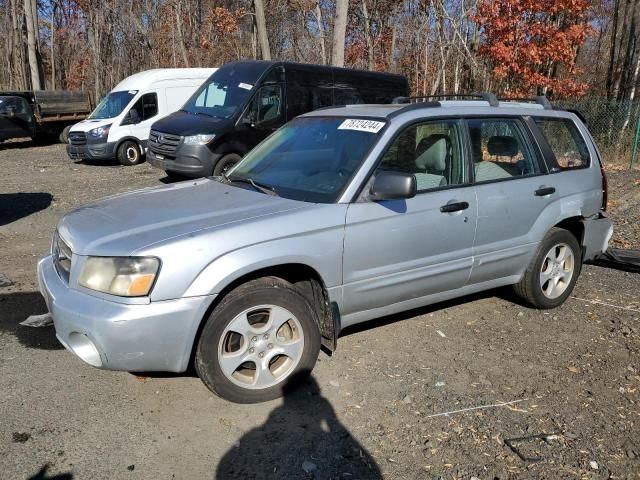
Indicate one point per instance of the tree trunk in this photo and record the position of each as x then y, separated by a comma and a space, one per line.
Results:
339, 32
183, 48
367, 35
53, 41
32, 43
323, 51
612, 50
261, 25
254, 40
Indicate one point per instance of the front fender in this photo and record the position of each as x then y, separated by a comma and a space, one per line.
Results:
321, 251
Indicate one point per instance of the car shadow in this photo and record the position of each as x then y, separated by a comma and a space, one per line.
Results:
300, 439
15, 308
112, 162
14, 206
42, 475
17, 144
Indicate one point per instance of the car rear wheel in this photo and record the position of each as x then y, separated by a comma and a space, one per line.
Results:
553, 272
262, 337
129, 153
225, 163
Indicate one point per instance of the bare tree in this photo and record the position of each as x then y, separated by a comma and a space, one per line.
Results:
261, 26
31, 19
339, 33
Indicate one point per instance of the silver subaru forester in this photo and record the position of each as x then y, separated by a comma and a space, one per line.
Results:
341, 216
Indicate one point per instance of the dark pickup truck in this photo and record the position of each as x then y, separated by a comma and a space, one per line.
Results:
41, 114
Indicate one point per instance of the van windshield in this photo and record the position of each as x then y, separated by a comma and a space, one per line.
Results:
225, 91
113, 104
309, 159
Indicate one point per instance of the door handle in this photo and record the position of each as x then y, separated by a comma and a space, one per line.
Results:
454, 207
544, 191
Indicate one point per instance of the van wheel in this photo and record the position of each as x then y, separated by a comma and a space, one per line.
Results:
225, 163
64, 135
129, 153
553, 272
262, 337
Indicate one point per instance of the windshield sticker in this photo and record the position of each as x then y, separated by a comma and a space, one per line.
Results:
246, 86
133, 92
370, 126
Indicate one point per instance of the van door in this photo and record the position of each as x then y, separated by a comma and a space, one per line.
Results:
403, 250
513, 190
264, 115
141, 115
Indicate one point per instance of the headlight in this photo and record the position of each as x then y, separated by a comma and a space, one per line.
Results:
122, 276
100, 131
199, 139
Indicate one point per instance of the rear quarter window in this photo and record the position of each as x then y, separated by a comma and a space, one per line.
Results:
566, 142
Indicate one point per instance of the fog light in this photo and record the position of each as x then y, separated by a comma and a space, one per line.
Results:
84, 348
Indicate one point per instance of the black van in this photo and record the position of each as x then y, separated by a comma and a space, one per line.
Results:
243, 102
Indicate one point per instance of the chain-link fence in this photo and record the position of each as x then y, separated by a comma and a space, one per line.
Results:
614, 125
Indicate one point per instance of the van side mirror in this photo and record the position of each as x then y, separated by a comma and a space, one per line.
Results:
247, 121
393, 186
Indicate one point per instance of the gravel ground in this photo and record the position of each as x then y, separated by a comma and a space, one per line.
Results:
373, 410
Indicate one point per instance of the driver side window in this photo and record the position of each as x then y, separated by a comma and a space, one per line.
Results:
145, 108
432, 151
266, 106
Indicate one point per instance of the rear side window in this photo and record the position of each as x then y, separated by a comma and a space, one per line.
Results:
565, 141
501, 150
149, 105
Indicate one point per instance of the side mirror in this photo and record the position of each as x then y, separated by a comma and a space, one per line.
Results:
248, 122
393, 186
131, 118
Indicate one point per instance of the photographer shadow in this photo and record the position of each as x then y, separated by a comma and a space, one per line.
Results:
302, 438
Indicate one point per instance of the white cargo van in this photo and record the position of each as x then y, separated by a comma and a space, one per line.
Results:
119, 126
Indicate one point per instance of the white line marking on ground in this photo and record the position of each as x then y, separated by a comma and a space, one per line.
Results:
503, 404
598, 302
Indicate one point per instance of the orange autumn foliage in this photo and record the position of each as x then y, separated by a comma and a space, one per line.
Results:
531, 45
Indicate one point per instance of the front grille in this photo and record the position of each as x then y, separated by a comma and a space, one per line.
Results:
77, 138
61, 256
163, 143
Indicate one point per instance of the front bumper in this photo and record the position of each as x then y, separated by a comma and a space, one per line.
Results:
92, 151
157, 336
190, 160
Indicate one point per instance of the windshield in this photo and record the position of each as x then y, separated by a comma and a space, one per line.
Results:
225, 91
309, 159
113, 104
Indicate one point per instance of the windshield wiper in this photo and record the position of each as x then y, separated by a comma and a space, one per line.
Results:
268, 189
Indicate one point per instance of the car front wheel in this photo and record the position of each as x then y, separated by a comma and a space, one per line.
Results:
129, 153
260, 339
553, 272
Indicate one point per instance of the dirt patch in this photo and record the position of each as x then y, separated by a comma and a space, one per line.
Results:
432, 393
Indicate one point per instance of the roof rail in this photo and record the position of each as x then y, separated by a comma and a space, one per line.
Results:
486, 96
540, 100
413, 106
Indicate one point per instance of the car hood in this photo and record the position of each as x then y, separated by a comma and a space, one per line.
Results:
123, 224
183, 123
90, 124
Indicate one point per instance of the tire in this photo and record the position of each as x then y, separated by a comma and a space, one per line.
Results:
539, 286
64, 135
258, 308
129, 153
225, 163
